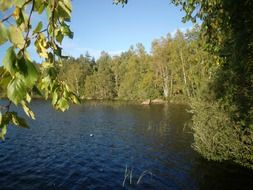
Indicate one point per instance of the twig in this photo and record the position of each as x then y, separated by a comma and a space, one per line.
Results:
6, 18
28, 25
43, 30
52, 38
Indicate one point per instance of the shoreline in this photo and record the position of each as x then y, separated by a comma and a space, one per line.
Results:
146, 102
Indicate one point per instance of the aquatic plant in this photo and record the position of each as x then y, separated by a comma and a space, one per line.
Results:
129, 175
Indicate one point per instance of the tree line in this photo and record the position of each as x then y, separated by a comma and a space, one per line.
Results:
171, 71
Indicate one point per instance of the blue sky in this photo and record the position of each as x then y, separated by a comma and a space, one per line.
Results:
99, 25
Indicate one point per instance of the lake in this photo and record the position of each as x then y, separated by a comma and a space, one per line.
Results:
97, 145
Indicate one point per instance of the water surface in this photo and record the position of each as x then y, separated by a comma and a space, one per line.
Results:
57, 152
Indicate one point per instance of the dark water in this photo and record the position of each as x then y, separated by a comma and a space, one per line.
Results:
58, 152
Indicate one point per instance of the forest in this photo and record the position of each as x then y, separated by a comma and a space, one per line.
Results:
171, 72
209, 67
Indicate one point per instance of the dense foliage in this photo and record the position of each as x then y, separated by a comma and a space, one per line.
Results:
20, 77
172, 71
223, 113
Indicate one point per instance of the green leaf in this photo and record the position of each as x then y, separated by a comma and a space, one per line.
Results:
9, 61
75, 99
18, 121
55, 97
24, 24
48, 12
63, 104
19, 3
38, 28
28, 72
59, 37
18, 15
27, 110
64, 9
3, 131
16, 37
39, 6
28, 97
4, 120
5, 78
67, 32
3, 34
41, 45
68, 5
16, 90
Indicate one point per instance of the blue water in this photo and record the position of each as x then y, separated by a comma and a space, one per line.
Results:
59, 152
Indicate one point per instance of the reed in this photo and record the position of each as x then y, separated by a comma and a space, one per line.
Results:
129, 175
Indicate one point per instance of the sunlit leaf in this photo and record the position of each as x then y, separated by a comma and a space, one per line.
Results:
41, 45
66, 31
28, 72
28, 97
59, 37
38, 28
75, 99
3, 34
27, 110
63, 104
16, 37
64, 10
16, 90
19, 3
55, 98
5, 78
3, 131
9, 60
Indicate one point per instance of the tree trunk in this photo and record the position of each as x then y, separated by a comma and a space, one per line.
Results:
165, 86
184, 73
171, 85
77, 86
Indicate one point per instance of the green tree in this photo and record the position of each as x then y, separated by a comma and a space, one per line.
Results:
91, 87
147, 88
161, 59
129, 86
170, 59
74, 72
105, 80
227, 28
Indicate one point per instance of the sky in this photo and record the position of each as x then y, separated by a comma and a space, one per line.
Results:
99, 25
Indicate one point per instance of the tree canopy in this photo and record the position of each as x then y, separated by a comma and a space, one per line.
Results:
227, 27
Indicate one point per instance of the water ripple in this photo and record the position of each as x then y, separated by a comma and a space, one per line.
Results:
59, 153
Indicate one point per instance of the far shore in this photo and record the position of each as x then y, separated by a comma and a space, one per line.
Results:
155, 101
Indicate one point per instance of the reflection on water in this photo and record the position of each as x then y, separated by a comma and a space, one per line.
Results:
59, 153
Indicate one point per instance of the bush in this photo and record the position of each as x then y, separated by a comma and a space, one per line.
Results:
217, 137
